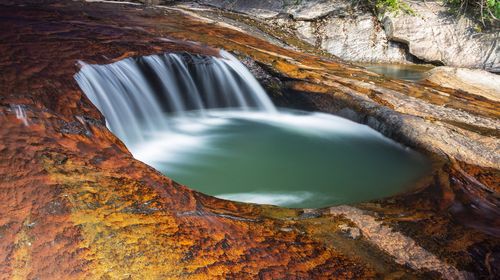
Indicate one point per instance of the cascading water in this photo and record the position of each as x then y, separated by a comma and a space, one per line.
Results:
134, 94
207, 123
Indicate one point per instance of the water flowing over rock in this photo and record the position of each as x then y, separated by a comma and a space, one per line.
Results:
135, 94
74, 202
206, 122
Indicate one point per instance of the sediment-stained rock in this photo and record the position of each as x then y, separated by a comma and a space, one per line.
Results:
75, 204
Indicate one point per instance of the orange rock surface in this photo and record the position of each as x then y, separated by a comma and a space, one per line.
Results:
75, 204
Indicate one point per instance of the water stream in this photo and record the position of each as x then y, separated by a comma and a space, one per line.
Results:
207, 123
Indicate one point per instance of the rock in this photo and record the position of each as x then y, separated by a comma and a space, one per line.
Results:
435, 35
352, 232
473, 81
403, 248
336, 26
354, 33
311, 10
263, 8
78, 205
75, 203
358, 39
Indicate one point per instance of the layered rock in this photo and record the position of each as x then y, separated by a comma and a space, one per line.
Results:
435, 35
474, 81
353, 32
339, 27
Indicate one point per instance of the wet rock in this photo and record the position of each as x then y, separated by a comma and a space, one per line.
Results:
403, 248
100, 213
78, 205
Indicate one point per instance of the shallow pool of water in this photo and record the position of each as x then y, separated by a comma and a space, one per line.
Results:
408, 72
290, 159
207, 123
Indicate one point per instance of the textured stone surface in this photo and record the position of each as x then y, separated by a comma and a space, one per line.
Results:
357, 38
405, 250
264, 8
352, 32
473, 81
435, 35
76, 205
336, 26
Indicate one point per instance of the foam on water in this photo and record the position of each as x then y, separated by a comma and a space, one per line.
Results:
269, 198
207, 123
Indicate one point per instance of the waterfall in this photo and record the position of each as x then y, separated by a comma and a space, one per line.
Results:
206, 122
135, 94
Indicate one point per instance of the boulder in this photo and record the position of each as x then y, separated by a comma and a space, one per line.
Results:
433, 34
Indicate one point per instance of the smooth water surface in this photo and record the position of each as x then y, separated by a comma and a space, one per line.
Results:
407, 72
290, 159
207, 123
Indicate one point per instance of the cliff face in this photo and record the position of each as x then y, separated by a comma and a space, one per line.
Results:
352, 32
436, 36
76, 204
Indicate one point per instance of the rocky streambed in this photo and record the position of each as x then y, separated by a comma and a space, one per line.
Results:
76, 204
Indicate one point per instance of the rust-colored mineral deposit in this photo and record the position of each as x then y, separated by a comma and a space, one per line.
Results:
74, 203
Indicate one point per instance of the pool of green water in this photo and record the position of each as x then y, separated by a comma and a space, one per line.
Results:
407, 72
290, 159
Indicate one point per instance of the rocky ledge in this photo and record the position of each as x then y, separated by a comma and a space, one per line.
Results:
355, 31
474, 81
76, 204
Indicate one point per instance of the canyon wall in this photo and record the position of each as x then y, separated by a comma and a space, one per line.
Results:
356, 32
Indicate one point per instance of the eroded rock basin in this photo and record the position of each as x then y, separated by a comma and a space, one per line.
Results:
76, 204
205, 122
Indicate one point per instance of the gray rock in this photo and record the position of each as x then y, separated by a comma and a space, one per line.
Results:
355, 34
359, 39
260, 8
313, 10
435, 35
